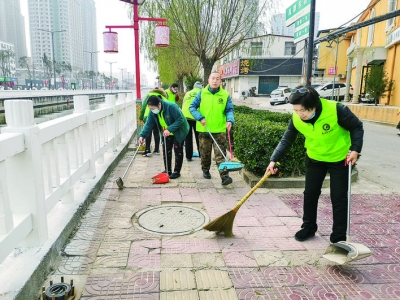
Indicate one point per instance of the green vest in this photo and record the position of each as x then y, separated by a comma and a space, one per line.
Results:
212, 107
171, 96
189, 97
325, 141
163, 124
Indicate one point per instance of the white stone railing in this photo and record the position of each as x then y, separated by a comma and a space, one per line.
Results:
40, 164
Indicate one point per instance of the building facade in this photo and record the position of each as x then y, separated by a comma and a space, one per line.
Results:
376, 44
264, 62
12, 27
72, 24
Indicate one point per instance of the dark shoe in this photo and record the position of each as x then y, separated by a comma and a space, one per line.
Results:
207, 175
188, 159
174, 175
304, 234
226, 180
156, 152
336, 240
169, 173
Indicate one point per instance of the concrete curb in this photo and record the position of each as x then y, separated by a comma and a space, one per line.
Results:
288, 182
49, 261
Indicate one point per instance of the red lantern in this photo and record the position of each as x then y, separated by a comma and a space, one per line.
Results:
162, 35
110, 40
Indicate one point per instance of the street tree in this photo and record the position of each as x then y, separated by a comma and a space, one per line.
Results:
5, 64
24, 62
210, 29
48, 68
377, 83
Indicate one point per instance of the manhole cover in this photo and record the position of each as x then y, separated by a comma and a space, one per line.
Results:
171, 219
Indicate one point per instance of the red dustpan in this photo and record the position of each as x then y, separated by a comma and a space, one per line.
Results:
162, 177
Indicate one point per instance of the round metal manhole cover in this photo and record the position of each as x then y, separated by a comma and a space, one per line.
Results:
171, 219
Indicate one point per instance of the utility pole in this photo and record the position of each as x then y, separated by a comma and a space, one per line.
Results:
91, 63
310, 43
111, 62
122, 77
53, 54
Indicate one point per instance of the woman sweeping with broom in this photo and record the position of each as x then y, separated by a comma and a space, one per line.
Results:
173, 126
333, 139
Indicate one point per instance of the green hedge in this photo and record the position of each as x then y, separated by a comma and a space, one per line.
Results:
255, 135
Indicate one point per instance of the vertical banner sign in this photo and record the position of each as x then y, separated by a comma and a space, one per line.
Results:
110, 40
297, 10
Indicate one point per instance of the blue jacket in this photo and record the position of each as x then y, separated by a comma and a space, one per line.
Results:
173, 116
196, 104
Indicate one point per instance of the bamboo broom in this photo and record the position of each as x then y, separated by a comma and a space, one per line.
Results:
224, 223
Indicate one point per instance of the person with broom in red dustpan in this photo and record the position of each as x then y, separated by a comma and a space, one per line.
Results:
173, 126
333, 139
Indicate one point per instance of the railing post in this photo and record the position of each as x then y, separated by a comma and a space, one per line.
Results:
24, 171
81, 105
111, 122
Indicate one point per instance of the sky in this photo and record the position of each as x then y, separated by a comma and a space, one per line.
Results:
333, 13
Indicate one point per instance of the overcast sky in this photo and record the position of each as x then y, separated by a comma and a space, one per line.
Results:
333, 13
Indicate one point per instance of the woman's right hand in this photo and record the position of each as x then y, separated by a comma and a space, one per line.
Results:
141, 140
272, 168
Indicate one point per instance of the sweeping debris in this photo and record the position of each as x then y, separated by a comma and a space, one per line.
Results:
226, 165
162, 177
224, 223
345, 252
119, 181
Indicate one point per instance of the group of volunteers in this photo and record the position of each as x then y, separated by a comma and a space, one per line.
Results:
205, 111
333, 140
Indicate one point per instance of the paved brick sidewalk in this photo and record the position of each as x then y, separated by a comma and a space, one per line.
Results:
111, 257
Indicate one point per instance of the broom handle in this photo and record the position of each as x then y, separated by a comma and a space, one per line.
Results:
216, 143
240, 203
230, 144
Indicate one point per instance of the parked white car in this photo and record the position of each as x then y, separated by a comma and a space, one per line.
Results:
280, 95
325, 91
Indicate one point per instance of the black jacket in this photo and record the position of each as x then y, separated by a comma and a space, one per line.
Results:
346, 119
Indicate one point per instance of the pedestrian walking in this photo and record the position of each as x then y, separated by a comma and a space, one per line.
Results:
333, 139
398, 124
213, 108
172, 93
168, 118
144, 113
187, 101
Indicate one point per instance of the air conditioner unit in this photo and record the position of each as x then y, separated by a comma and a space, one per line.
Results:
342, 76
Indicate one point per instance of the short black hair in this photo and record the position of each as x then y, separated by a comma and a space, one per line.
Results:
309, 100
174, 85
153, 100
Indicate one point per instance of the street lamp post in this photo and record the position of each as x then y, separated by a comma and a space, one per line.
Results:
122, 77
53, 54
91, 62
111, 62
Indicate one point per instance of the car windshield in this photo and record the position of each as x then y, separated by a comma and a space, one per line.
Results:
276, 92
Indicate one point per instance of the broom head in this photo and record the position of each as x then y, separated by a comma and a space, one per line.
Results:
222, 224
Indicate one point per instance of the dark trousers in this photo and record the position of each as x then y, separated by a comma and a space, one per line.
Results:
206, 147
315, 175
178, 149
189, 139
156, 134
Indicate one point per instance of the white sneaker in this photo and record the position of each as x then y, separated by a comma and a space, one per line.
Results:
398, 133
147, 154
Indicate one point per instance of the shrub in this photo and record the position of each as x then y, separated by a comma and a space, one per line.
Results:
256, 134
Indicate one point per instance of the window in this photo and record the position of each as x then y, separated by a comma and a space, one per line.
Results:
391, 7
371, 29
290, 48
256, 48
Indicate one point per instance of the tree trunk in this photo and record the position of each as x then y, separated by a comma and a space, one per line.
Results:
207, 67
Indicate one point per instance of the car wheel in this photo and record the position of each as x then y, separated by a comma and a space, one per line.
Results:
272, 103
286, 100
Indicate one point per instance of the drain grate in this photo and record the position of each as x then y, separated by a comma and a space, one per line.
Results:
171, 219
